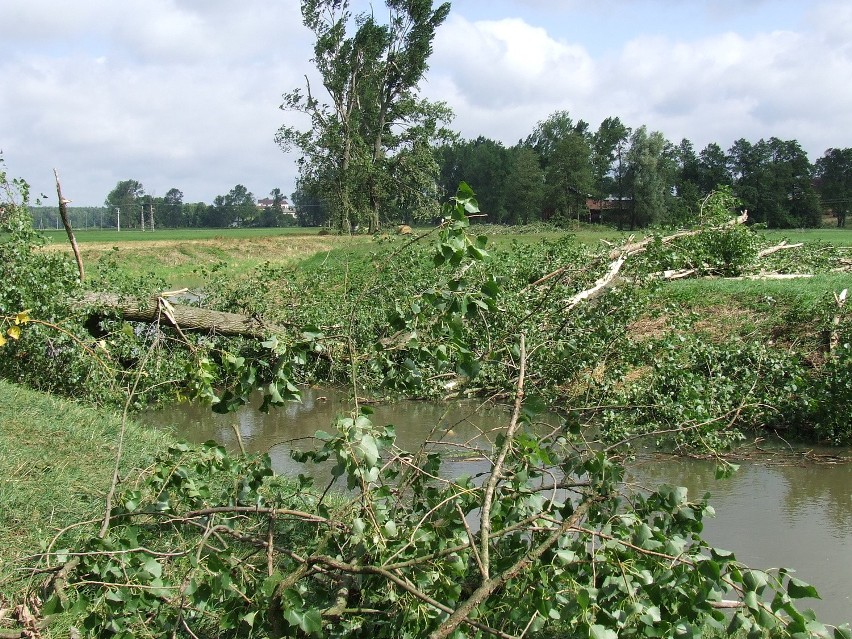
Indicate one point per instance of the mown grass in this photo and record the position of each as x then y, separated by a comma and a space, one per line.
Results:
174, 235
58, 458
835, 236
187, 257
809, 292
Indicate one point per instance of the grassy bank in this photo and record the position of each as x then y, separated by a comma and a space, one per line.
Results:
58, 458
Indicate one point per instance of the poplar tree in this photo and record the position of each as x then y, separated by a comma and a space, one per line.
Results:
369, 131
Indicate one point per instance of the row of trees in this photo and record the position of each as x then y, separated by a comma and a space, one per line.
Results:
238, 207
376, 152
562, 171
128, 207
637, 177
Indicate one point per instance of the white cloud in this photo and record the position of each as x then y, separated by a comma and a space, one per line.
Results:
184, 93
503, 76
168, 95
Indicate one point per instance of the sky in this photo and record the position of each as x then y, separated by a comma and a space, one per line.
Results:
186, 93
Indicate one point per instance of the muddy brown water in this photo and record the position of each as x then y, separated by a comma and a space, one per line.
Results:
770, 514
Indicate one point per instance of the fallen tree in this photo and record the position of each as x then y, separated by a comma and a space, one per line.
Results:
158, 309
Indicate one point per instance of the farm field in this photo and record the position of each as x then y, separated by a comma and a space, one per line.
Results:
185, 257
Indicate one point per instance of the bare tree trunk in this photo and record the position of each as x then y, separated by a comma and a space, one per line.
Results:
187, 318
63, 213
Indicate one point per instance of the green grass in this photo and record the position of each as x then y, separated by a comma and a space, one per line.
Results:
835, 236
58, 458
809, 291
185, 258
173, 235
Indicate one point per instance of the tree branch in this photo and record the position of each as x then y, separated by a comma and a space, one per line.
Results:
63, 213
497, 471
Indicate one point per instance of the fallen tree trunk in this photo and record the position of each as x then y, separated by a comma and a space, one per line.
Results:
186, 318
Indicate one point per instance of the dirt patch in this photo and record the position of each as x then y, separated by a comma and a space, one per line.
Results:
648, 328
721, 322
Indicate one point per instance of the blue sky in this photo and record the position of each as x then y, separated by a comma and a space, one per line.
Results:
185, 93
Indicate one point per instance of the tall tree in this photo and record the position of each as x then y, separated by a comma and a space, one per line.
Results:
125, 202
650, 176
484, 164
774, 180
550, 132
712, 169
747, 164
374, 117
238, 207
686, 182
524, 186
397, 124
171, 209
792, 185
569, 177
834, 172
311, 210
608, 144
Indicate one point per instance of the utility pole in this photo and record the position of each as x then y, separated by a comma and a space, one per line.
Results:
117, 219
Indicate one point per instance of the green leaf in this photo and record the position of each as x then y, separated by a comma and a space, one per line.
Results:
312, 622
754, 580
843, 632
153, 567
270, 583
52, 606
599, 632
798, 589
369, 449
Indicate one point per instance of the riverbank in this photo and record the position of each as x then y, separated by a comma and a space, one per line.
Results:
58, 459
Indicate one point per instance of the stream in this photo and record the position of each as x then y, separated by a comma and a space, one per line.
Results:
771, 513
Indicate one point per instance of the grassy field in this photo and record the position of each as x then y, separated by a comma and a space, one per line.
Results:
185, 257
174, 235
58, 458
835, 236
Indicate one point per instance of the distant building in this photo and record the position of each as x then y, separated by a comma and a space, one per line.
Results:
598, 208
268, 203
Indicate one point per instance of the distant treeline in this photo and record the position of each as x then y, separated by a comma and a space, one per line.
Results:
562, 172
197, 215
127, 206
625, 178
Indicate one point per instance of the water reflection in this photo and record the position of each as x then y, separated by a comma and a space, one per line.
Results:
464, 427
794, 516
770, 515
